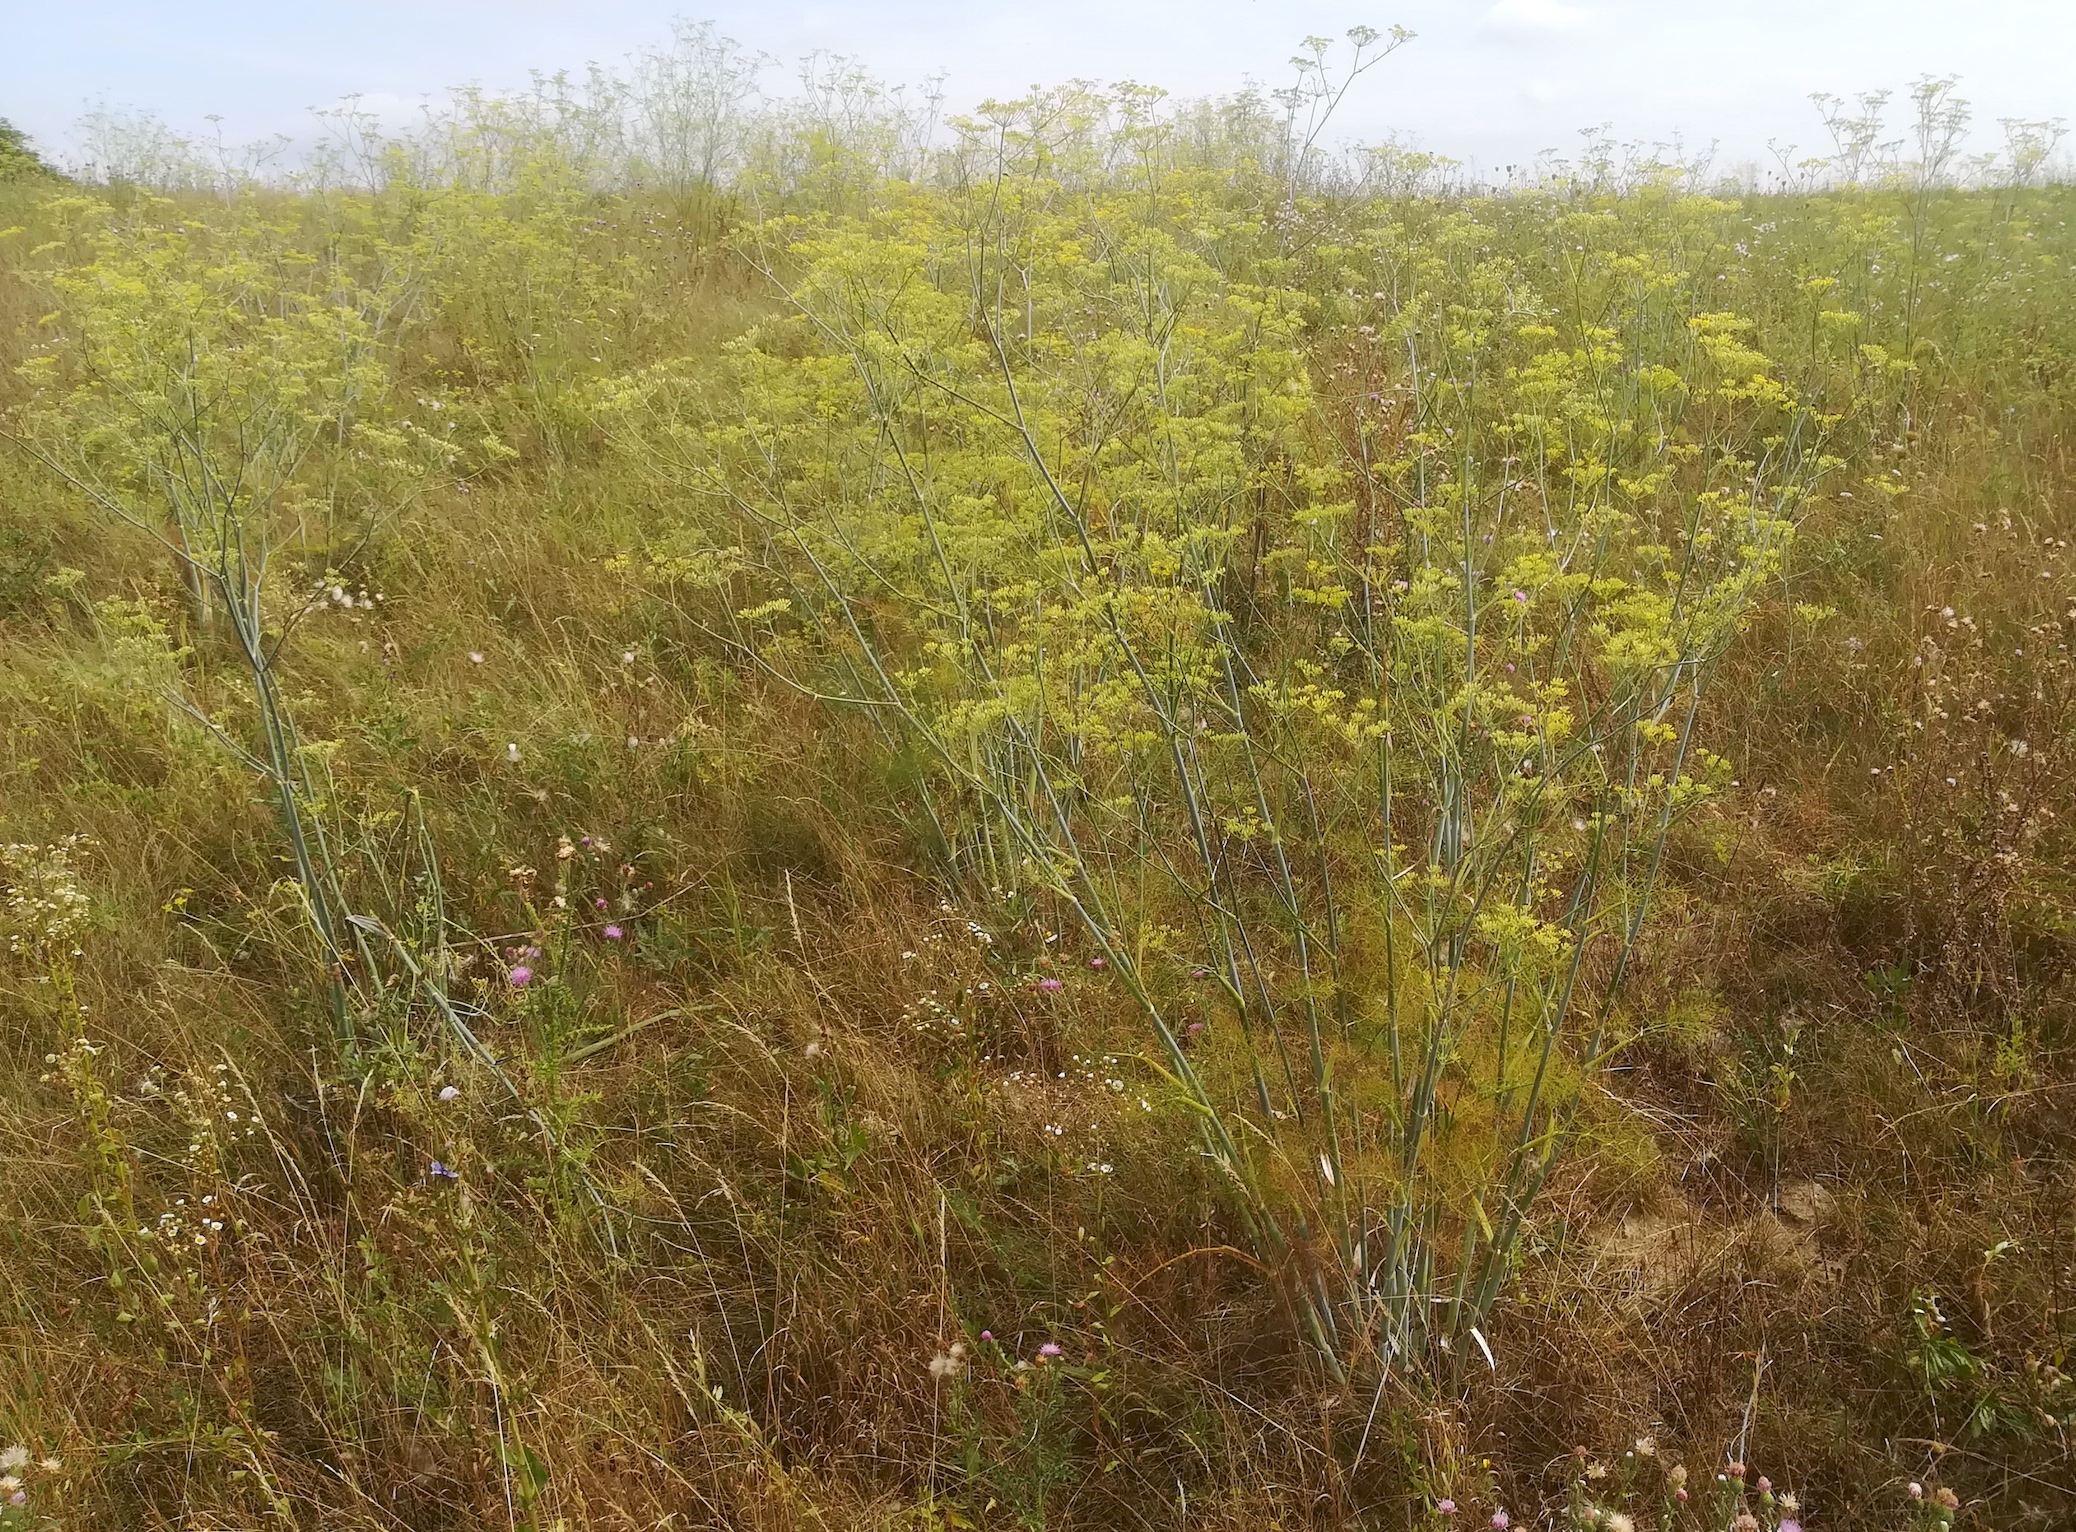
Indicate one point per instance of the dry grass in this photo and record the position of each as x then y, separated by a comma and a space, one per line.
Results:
837, 1135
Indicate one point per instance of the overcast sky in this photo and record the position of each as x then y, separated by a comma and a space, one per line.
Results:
1489, 82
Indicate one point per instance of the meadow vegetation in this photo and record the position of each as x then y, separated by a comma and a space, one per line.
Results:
739, 813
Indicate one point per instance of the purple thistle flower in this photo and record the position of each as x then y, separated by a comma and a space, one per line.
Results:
613, 933
521, 976
1050, 985
1445, 1506
1791, 1525
1501, 1521
441, 1172
987, 1335
598, 904
1521, 596
1097, 963
1049, 1350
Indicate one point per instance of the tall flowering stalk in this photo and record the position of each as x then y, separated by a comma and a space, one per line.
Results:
216, 387
201, 381
1348, 653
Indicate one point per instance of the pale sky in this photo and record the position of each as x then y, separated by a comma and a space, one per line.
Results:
1489, 82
